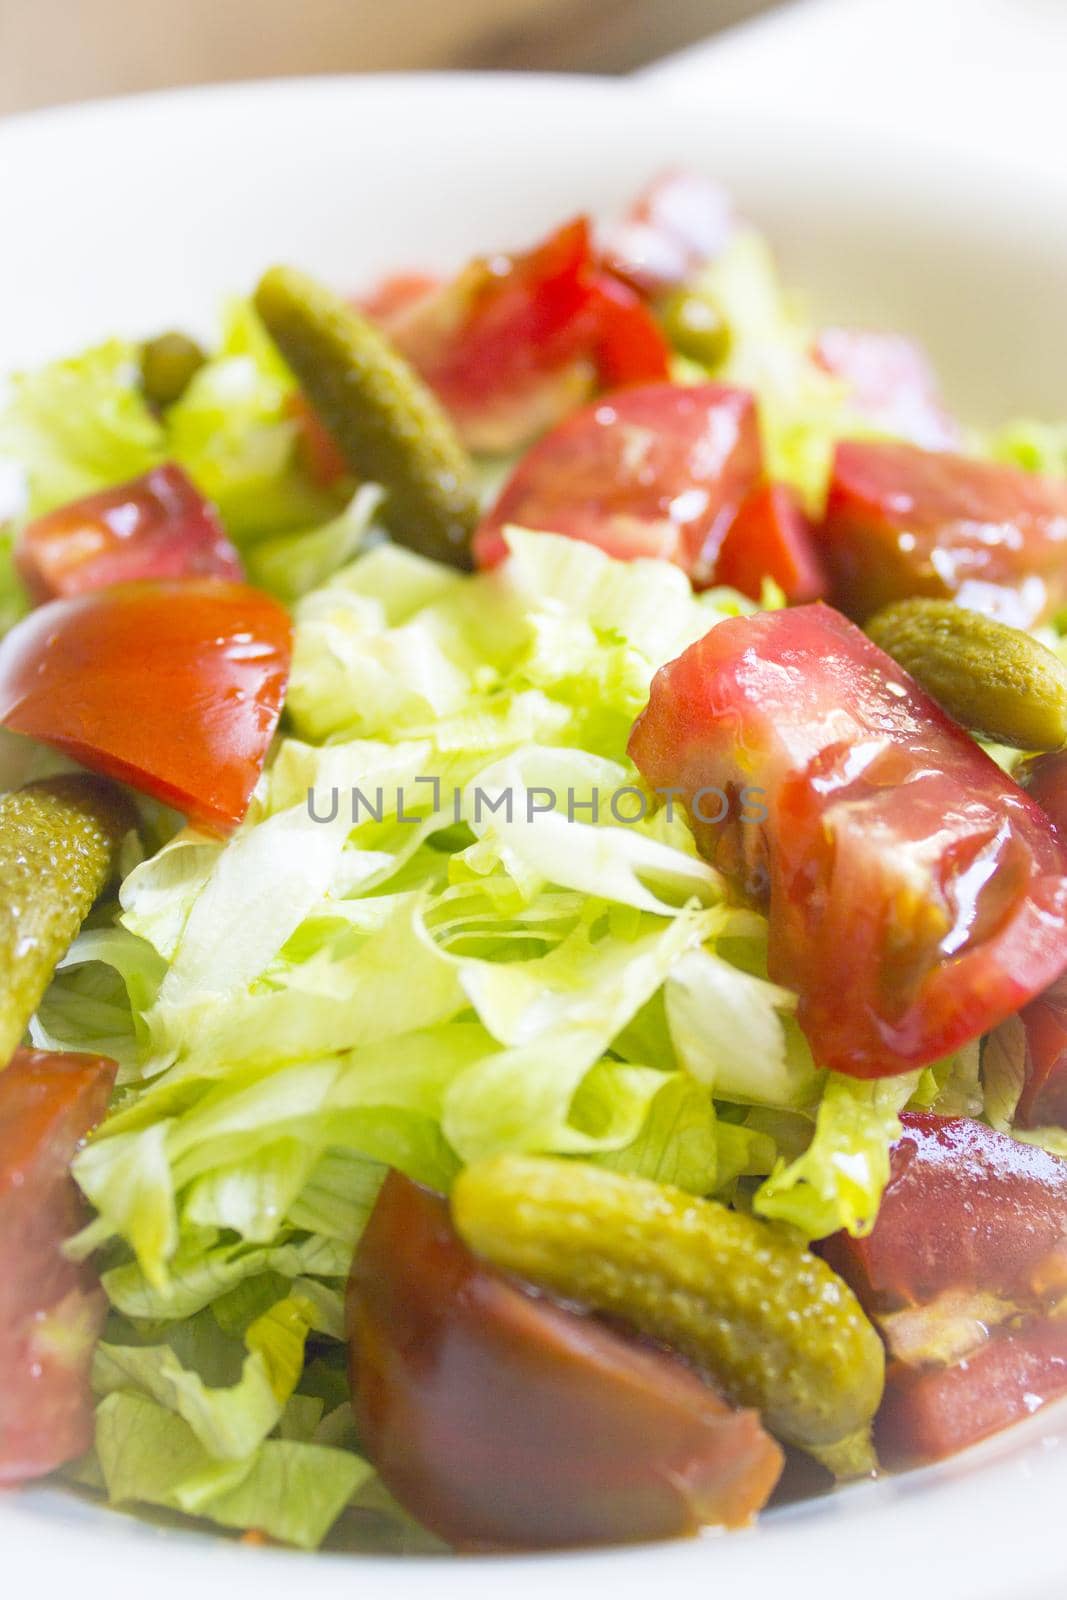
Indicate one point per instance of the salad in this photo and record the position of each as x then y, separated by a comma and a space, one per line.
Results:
535, 905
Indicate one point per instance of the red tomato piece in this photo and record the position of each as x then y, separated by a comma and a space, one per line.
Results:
1044, 778
916, 895
397, 293
1043, 1102
508, 344
901, 521
932, 1412
174, 688
502, 1419
318, 455
677, 224
51, 1310
965, 1208
658, 471
630, 346
892, 384
972, 1228
771, 538
155, 526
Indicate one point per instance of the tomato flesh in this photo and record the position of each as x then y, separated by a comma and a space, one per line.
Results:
175, 688
771, 538
657, 471
155, 526
629, 346
916, 895
891, 384
680, 221
51, 1310
500, 1419
901, 521
973, 1218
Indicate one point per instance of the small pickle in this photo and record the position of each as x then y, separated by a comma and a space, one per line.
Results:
695, 327
993, 679
58, 844
390, 428
168, 365
768, 1321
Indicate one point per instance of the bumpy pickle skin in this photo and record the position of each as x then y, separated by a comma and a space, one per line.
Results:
388, 425
169, 363
58, 845
993, 679
738, 1297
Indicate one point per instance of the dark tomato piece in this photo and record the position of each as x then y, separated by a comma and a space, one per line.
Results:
501, 1419
970, 1252
174, 688
155, 526
916, 895
51, 1310
892, 384
658, 471
628, 344
901, 521
1043, 1102
771, 538
677, 224
1044, 778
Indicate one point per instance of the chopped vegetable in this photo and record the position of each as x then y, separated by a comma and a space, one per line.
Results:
963, 1273
168, 365
891, 384
883, 834
739, 1298
658, 471
771, 538
501, 1419
389, 427
155, 526
59, 842
51, 1310
1042, 1099
996, 680
681, 220
174, 688
903, 522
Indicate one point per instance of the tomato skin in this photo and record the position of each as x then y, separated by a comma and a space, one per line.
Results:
318, 454
1044, 778
891, 840
154, 526
51, 1310
771, 538
901, 521
967, 1211
657, 471
500, 1419
677, 223
175, 688
891, 383
965, 1208
630, 346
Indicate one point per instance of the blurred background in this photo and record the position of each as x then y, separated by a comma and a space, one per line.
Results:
59, 50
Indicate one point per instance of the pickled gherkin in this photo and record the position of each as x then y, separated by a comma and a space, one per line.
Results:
58, 843
994, 679
390, 428
741, 1299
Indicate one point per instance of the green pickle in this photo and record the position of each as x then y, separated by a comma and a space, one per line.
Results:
58, 844
996, 680
390, 428
169, 364
740, 1298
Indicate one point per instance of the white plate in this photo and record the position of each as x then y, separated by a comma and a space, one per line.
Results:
131, 216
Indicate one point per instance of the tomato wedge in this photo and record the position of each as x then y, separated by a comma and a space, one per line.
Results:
916, 895
1044, 778
677, 223
658, 471
155, 526
515, 342
501, 1419
964, 1273
51, 1310
771, 538
174, 688
1043, 1101
901, 521
892, 384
